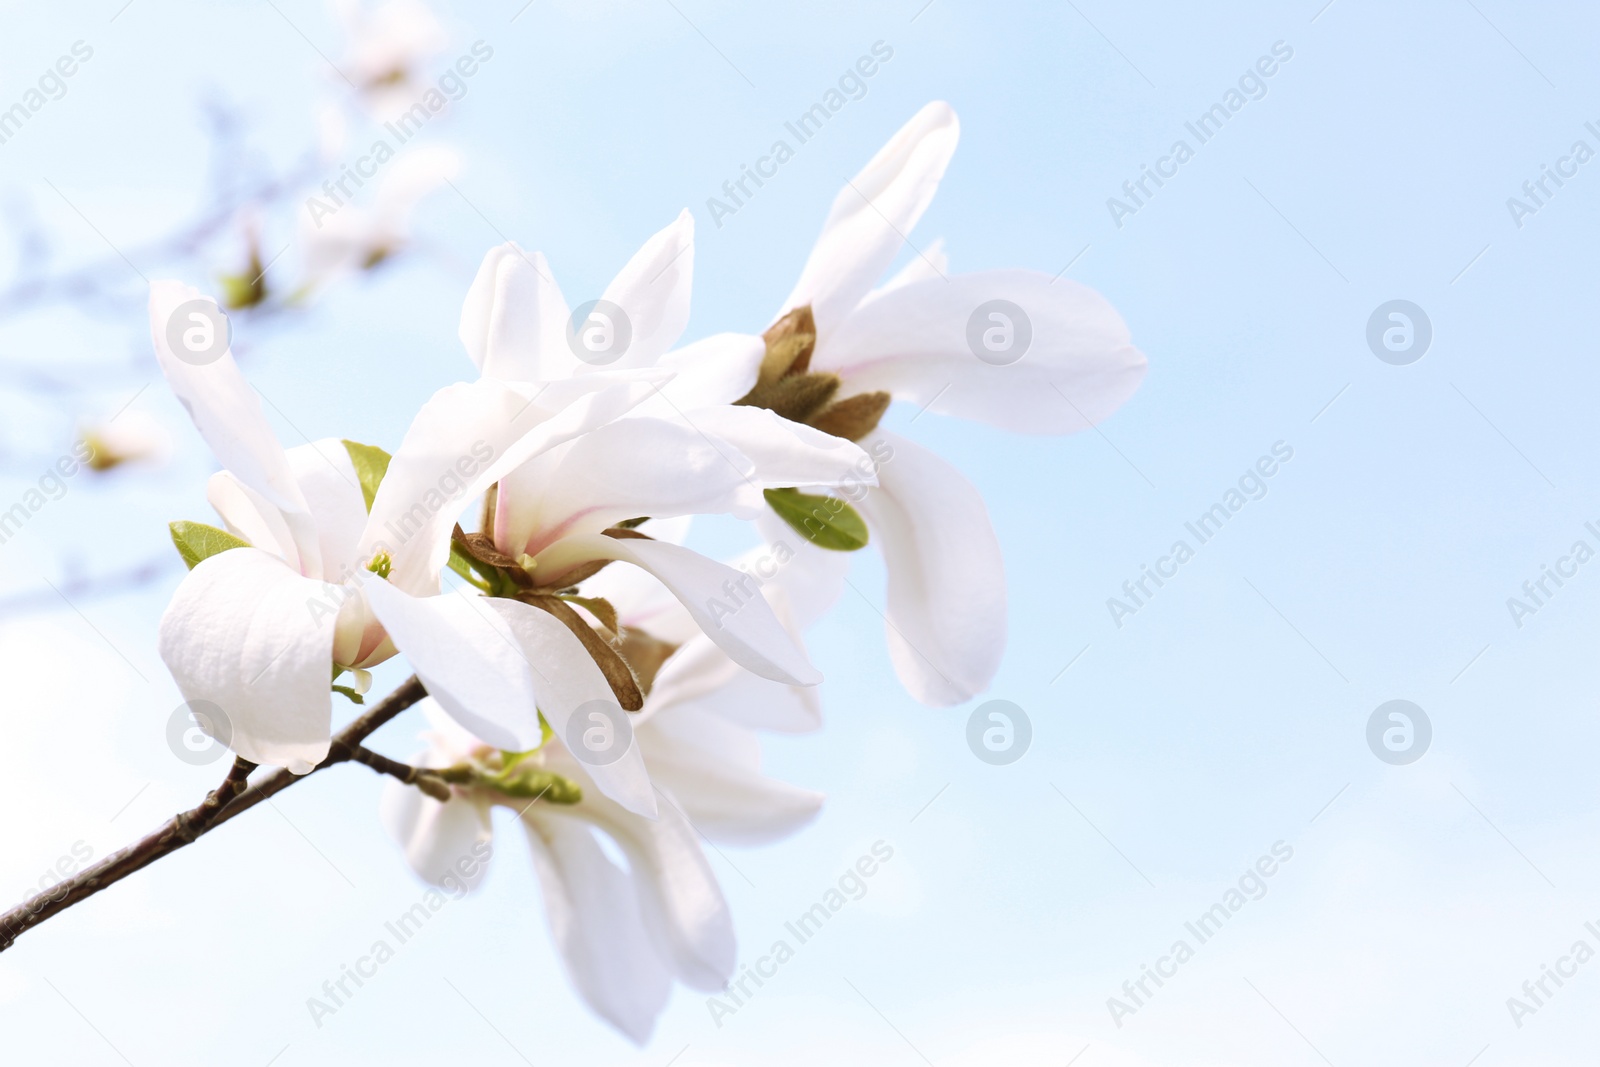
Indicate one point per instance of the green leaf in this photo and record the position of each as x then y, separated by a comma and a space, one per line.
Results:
197, 541
371, 464
826, 521
355, 697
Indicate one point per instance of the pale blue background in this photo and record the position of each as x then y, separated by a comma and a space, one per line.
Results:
1192, 739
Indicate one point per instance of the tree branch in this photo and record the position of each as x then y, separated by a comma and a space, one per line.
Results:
429, 783
230, 798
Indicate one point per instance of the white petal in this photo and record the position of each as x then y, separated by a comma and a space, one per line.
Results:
683, 907
653, 291
947, 599
722, 601
932, 263
332, 490
596, 924
228, 415
254, 638
747, 700
717, 370
872, 215
515, 317
784, 454
713, 769
699, 674
810, 579
629, 468
466, 438
248, 514
447, 844
494, 664
912, 341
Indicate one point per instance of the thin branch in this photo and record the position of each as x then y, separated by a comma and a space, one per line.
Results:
229, 799
431, 784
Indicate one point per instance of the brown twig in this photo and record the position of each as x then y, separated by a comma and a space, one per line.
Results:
429, 783
229, 799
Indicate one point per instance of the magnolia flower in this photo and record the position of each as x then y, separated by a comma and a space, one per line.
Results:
387, 46
127, 437
259, 631
553, 521
339, 237
1056, 359
625, 933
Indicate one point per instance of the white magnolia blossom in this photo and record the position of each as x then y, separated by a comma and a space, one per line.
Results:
946, 615
256, 631
625, 933
127, 437
338, 237
550, 514
387, 45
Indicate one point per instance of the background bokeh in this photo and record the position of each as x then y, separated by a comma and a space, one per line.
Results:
1227, 715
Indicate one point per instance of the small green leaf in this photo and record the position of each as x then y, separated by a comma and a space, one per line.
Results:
355, 697
371, 464
632, 524
826, 521
197, 541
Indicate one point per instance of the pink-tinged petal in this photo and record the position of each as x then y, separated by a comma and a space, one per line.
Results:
250, 636
632, 467
493, 665
515, 318
915, 342
653, 291
872, 215
447, 844
466, 438
713, 769
596, 923
228, 414
947, 593
724, 602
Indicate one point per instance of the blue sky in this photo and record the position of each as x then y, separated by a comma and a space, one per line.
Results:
1226, 715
